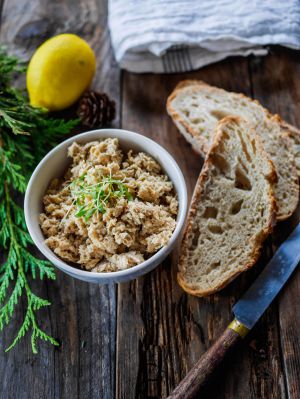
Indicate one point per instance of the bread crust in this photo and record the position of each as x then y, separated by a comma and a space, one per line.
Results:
201, 146
271, 177
291, 130
184, 128
293, 134
198, 83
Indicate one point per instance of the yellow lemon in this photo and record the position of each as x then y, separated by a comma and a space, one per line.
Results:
60, 70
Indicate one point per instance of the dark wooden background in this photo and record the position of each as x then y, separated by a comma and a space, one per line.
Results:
137, 340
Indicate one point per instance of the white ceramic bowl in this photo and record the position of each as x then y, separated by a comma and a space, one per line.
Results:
54, 165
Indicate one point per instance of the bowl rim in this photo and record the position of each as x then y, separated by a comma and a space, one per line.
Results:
50, 255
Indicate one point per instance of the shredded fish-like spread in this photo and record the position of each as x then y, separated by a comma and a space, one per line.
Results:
130, 224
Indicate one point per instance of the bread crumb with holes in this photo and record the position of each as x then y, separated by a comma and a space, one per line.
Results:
111, 211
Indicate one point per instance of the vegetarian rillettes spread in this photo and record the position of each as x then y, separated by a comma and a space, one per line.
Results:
111, 210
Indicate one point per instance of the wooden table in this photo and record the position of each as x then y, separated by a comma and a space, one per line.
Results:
137, 340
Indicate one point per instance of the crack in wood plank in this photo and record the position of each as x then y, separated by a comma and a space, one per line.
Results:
173, 329
276, 85
161, 331
83, 316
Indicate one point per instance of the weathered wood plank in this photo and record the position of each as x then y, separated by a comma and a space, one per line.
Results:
161, 331
276, 82
171, 329
82, 316
1, 7
147, 345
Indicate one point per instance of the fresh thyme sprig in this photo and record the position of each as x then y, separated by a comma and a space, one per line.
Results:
25, 135
91, 198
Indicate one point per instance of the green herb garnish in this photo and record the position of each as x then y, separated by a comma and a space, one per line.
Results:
25, 135
91, 198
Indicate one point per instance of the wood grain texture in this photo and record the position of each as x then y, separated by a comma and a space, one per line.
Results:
149, 322
198, 376
276, 83
160, 332
171, 329
82, 316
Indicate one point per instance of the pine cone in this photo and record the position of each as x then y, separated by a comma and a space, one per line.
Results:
96, 109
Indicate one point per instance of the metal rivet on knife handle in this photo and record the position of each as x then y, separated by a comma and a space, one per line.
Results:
239, 328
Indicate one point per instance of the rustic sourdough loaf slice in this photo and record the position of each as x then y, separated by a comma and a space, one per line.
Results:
233, 210
196, 108
294, 134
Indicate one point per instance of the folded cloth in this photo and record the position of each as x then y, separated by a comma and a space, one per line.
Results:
182, 35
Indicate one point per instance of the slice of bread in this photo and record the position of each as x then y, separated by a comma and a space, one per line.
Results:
196, 108
294, 134
233, 209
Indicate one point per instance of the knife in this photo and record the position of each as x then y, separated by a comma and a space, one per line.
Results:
247, 312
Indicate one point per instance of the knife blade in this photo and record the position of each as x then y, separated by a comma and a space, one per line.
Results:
247, 312
265, 288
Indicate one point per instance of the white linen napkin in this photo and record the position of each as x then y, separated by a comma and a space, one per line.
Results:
182, 35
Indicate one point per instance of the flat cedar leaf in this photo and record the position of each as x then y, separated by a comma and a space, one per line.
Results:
6, 278
18, 215
33, 264
7, 310
37, 302
8, 66
42, 335
26, 135
22, 331
23, 236
4, 234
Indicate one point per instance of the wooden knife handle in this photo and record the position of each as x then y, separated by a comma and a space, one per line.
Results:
200, 373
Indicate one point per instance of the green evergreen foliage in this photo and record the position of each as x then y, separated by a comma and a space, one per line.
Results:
25, 134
